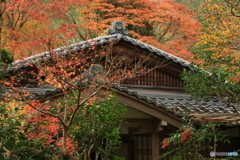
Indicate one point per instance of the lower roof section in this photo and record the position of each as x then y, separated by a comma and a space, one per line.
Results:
168, 107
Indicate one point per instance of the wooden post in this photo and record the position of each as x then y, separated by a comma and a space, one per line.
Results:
155, 146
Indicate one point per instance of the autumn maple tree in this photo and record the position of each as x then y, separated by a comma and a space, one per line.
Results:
166, 25
32, 26
217, 50
80, 83
29, 27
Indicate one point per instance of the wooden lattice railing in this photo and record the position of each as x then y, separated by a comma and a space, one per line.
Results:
155, 78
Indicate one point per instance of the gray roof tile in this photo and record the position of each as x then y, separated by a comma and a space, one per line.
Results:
178, 106
97, 41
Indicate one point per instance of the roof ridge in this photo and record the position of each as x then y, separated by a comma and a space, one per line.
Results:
117, 34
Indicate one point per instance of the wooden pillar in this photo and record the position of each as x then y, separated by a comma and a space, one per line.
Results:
131, 143
155, 146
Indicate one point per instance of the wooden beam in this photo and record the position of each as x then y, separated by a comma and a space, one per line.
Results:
158, 125
155, 146
214, 114
144, 125
138, 122
148, 108
159, 122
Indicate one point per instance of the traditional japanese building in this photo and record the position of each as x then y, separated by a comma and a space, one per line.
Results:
156, 101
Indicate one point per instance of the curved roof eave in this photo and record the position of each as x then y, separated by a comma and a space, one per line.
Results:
76, 47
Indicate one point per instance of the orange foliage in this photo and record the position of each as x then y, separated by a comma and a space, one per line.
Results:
187, 133
43, 26
32, 26
166, 142
167, 25
48, 130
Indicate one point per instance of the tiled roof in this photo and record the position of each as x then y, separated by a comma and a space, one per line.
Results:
97, 41
179, 105
41, 93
